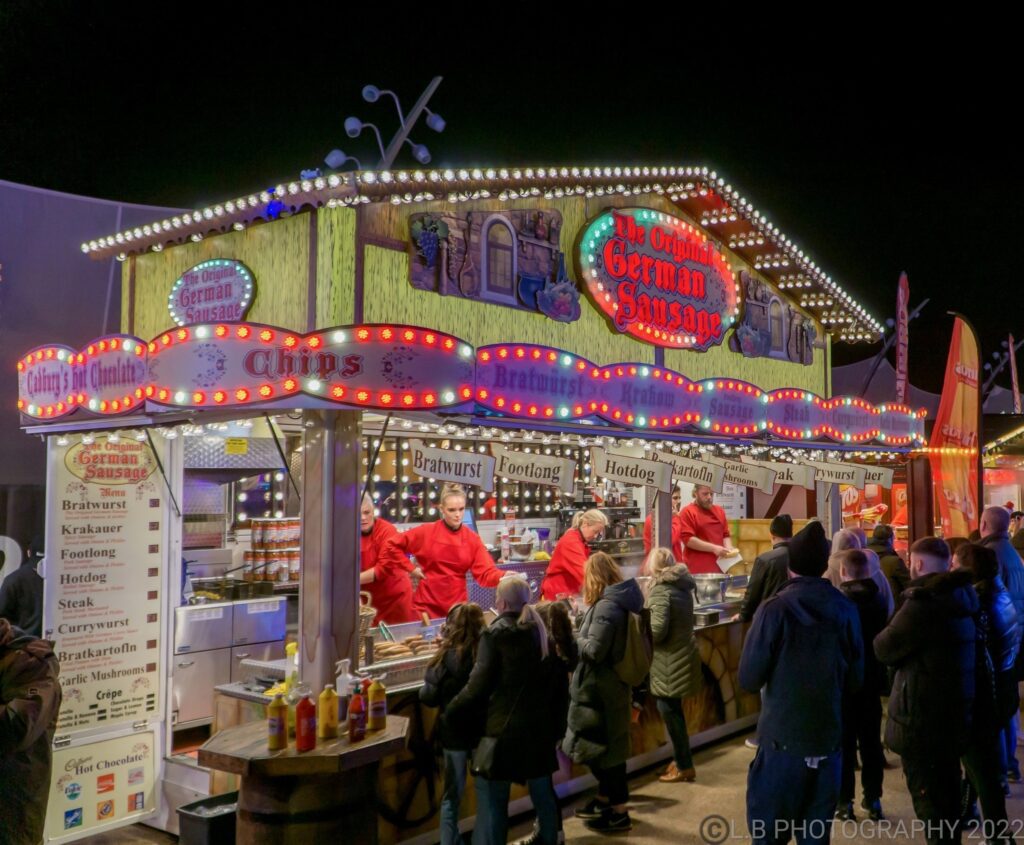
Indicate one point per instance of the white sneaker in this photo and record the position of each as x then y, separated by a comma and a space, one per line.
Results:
751, 742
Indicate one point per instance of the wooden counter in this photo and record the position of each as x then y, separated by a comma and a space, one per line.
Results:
288, 797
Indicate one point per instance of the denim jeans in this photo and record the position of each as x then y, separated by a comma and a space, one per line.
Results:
545, 805
788, 799
671, 711
491, 826
1009, 738
455, 765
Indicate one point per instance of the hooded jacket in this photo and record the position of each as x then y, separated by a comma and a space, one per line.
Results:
21, 597
675, 667
931, 644
893, 567
599, 711
804, 647
524, 696
1011, 568
998, 699
30, 699
873, 612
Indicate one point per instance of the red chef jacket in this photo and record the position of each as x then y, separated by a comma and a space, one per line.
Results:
677, 543
565, 572
712, 526
391, 588
444, 556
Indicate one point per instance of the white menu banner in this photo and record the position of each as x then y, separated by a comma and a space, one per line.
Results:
534, 468
696, 472
459, 466
746, 475
831, 473
798, 475
636, 471
101, 785
103, 575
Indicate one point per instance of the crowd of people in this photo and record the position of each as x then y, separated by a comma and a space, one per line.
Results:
836, 628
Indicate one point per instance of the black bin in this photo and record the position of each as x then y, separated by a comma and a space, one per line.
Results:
209, 821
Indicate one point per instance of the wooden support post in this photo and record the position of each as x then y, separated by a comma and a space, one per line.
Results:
661, 522
329, 583
920, 502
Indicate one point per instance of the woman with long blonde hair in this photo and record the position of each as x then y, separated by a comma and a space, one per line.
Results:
675, 669
445, 551
601, 702
564, 574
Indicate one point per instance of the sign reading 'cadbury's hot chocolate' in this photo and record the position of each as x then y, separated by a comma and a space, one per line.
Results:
658, 278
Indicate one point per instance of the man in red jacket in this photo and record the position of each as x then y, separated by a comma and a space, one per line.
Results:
704, 532
389, 586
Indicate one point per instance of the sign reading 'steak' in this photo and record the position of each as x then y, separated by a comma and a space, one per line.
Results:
658, 278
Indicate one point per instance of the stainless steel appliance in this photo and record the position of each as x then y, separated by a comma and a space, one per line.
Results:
210, 643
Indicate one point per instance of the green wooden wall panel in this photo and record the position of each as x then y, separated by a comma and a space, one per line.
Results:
336, 266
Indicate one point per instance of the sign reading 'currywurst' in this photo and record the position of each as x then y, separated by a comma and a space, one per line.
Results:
459, 466
658, 278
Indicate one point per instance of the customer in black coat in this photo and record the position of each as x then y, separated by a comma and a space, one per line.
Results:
804, 648
21, 594
862, 710
891, 563
447, 674
931, 644
996, 698
512, 678
771, 568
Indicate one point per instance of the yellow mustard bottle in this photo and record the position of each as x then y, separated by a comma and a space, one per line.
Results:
378, 716
277, 724
327, 713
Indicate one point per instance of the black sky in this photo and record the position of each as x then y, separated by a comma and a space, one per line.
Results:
876, 154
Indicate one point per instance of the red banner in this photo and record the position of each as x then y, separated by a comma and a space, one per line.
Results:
955, 473
902, 336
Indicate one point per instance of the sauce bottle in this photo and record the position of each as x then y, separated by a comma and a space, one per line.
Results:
327, 714
305, 724
378, 697
343, 684
356, 716
277, 724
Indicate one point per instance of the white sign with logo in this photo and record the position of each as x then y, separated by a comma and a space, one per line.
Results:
636, 471
833, 473
534, 468
459, 466
798, 475
101, 785
693, 471
746, 475
104, 551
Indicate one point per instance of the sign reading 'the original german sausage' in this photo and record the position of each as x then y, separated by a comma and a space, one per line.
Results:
459, 466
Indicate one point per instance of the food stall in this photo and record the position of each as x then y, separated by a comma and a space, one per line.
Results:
554, 339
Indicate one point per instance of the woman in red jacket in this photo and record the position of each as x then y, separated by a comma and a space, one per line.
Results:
445, 550
389, 585
564, 575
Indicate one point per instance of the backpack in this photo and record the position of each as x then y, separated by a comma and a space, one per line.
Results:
635, 664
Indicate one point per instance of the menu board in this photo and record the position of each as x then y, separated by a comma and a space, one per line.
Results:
101, 784
102, 606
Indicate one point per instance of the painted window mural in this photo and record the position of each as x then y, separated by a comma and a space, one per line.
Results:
771, 327
511, 258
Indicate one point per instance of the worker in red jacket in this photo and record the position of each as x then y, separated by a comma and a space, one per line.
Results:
677, 528
564, 575
445, 551
389, 585
705, 532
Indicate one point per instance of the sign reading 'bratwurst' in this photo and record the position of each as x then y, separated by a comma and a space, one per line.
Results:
658, 278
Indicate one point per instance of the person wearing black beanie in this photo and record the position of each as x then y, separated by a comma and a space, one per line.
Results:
806, 640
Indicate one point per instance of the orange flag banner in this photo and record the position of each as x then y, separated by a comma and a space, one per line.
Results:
955, 474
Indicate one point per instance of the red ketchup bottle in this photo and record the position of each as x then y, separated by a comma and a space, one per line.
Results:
356, 716
305, 725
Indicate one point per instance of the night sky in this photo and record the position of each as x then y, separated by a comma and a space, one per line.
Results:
875, 158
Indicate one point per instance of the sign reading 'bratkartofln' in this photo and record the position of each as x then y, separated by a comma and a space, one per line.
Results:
218, 290
658, 278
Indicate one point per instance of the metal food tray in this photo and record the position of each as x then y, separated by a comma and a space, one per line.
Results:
402, 673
